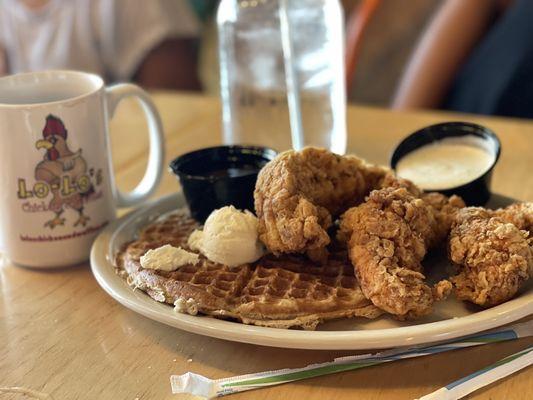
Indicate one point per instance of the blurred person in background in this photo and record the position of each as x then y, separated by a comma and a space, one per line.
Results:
389, 38
476, 56
153, 43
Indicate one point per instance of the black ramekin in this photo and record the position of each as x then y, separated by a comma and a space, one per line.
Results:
474, 193
205, 192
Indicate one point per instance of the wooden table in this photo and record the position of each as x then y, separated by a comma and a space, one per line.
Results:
61, 334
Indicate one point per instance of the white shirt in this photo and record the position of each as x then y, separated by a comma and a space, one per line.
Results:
107, 37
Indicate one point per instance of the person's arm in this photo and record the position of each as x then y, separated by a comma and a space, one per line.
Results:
455, 30
171, 65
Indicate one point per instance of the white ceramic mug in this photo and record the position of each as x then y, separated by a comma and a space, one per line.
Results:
57, 188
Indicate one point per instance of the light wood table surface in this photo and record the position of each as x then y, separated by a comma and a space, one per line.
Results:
61, 334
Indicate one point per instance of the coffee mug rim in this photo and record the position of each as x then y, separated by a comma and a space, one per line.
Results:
96, 79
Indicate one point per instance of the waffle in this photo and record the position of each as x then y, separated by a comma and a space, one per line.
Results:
274, 292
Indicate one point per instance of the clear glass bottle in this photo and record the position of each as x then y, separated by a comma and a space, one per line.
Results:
253, 68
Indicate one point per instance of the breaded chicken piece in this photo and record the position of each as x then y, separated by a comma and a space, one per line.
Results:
494, 255
299, 194
444, 207
519, 214
388, 237
445, 210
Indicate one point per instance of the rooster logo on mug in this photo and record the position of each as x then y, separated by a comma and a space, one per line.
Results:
64, 174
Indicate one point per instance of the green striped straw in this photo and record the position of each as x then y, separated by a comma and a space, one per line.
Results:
202, 386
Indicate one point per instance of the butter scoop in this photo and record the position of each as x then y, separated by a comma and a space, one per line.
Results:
229, 237
168, 258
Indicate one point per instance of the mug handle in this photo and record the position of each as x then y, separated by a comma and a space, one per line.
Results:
154, 169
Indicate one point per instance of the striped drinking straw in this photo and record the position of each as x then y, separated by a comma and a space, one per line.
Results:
202, 386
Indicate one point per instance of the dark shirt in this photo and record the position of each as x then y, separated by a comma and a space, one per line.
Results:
497, 78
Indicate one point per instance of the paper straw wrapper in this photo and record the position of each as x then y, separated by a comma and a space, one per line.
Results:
209, 388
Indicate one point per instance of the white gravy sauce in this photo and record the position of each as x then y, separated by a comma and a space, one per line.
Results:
445, 164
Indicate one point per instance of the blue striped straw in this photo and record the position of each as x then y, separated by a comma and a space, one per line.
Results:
500, 369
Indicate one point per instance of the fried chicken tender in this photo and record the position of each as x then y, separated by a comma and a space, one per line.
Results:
388, 237
519, 214
299, 194
444, 207
494, 253
445, 210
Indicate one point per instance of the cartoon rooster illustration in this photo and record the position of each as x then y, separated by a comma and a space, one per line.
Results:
61, 167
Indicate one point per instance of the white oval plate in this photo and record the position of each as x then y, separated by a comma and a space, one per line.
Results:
449, 320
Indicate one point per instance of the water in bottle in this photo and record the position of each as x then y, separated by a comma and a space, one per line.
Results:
254, 72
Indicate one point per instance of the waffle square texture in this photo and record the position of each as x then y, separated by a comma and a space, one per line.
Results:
279, 292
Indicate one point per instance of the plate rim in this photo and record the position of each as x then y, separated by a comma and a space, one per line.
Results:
430, 332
